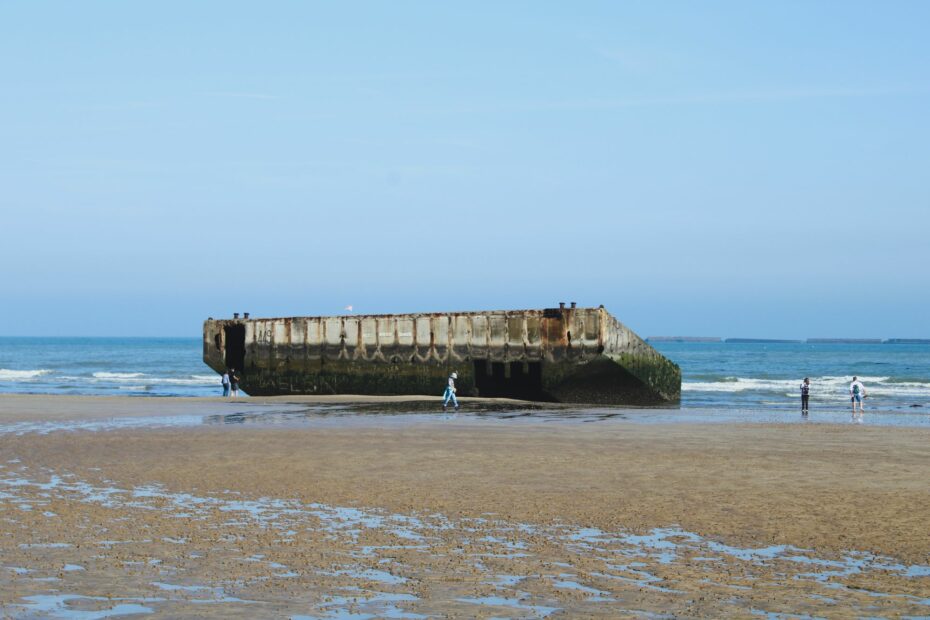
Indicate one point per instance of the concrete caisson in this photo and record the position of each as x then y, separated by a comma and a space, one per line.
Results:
564, 354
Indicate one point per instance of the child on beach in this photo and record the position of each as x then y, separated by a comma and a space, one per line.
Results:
856, 393
449, 394
805, 395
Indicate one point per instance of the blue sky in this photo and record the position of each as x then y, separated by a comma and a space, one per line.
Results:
717, 168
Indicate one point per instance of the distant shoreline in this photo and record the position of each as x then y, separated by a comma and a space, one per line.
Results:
717, 339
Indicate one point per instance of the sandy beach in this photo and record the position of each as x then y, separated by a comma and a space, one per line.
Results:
240, 509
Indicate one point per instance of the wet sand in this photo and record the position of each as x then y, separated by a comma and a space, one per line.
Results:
453, 516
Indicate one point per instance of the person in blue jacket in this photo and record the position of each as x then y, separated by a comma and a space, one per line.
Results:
449, 394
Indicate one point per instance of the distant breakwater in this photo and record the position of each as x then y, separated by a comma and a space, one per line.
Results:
711, 339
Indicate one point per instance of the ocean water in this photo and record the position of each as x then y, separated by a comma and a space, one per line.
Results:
766, 376
715, 375
106, 366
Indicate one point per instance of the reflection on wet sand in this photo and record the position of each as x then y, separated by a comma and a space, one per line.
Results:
280, 412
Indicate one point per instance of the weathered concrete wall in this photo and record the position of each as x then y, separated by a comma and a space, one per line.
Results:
413, 354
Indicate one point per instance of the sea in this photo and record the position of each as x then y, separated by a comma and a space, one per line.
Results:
717, 375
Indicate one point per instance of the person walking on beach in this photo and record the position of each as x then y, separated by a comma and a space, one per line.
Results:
226, 383
449, 394
234, 382
856, 394
805, 395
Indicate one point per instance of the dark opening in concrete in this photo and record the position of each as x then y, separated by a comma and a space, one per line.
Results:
521, 380
235, 346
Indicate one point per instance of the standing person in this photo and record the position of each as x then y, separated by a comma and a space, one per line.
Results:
234, 382
856, 394
805, 395
449, 394
226, 383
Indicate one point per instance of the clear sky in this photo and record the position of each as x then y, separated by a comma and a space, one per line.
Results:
714, 168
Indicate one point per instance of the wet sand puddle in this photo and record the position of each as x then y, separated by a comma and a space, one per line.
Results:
530, 412
98, 551
346, 415
271, 415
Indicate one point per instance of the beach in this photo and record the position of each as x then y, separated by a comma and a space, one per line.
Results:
277, 508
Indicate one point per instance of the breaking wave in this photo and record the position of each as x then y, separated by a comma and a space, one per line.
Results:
832, 386
22, 375
137, 378
118, 375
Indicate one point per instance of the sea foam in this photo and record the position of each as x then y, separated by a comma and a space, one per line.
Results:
117, 376
878, 386
22, 375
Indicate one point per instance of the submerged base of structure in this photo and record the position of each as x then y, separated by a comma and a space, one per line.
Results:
562, 355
